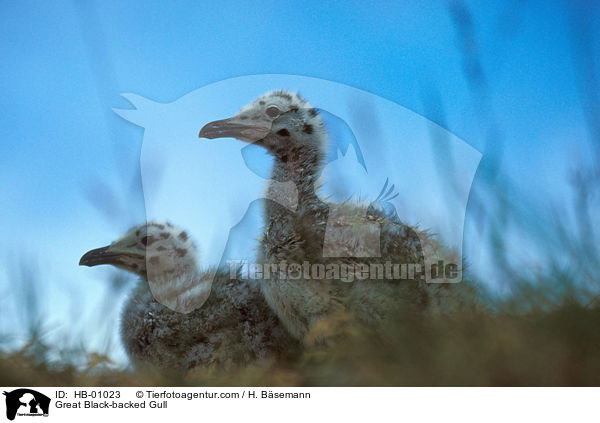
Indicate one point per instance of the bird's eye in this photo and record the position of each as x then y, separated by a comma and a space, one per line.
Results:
273, 111
147, 240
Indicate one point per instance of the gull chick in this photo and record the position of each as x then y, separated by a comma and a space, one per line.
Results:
314, 231
233, 326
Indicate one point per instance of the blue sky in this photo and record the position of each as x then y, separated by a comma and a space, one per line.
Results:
64, 65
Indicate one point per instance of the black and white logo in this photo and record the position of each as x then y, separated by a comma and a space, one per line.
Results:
26, 402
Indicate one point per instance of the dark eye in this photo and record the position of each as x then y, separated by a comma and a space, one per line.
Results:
147, 240
273, 111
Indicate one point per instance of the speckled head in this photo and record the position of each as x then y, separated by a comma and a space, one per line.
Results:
155, 251
280, 121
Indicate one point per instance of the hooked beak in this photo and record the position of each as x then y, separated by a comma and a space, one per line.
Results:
106, 255
233, 128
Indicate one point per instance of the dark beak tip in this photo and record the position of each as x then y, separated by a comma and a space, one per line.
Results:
202, 134
210, 130
84, 260
93, 257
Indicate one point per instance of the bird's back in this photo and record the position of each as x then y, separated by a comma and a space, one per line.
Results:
233, 327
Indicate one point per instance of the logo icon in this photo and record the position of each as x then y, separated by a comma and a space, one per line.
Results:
26, 402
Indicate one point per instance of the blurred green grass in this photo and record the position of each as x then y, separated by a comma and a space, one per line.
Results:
553, 342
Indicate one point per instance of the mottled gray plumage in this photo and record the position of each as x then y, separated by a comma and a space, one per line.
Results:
234, 326
299, 227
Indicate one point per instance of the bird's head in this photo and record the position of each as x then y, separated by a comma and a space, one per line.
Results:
280, 121
156, 251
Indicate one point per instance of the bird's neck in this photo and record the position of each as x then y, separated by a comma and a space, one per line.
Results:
298, 168
182, 292
295, 215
